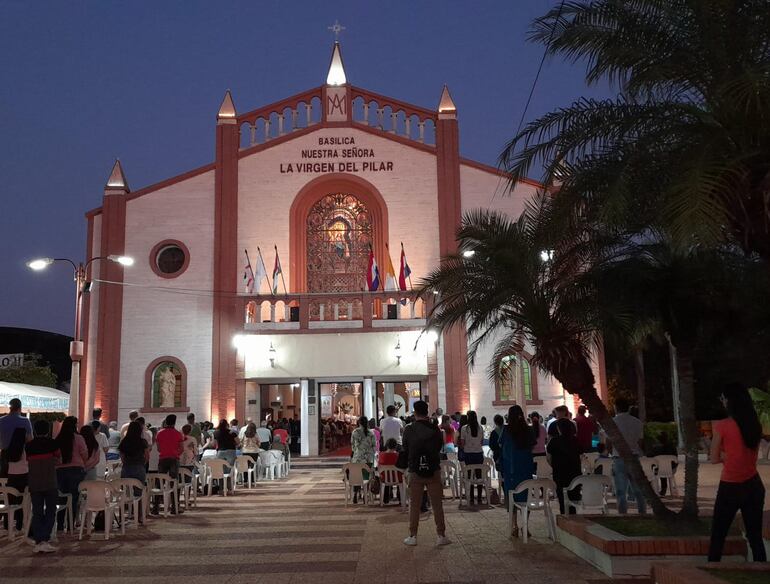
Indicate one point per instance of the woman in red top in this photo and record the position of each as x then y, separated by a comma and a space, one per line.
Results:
736, 444
449, 434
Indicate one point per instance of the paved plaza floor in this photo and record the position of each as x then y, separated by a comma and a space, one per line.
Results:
299, 530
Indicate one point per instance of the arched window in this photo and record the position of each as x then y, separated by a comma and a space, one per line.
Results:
339, 237
165, 385
516, 378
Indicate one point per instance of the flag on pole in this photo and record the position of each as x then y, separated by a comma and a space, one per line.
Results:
372, 273
276, 272
261, 273
248, 275
390, 274
404, 271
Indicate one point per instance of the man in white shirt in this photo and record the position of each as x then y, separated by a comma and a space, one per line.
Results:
633, 431
391, 426
132, 416
265, 435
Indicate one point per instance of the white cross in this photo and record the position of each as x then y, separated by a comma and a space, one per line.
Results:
336, 28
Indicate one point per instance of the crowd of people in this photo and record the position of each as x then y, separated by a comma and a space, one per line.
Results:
50, 461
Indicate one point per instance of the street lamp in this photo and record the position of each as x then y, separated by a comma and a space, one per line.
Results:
76, 346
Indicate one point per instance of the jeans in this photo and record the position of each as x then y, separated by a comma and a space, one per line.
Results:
749, 497
622, 483
417, 485
69, 479
171, 467
229, 456
43, 513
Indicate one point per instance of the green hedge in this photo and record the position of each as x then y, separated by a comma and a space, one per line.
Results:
50, 417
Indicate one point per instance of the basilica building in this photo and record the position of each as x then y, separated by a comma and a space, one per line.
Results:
253, 292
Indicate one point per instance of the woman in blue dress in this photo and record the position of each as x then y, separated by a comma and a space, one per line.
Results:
516, 442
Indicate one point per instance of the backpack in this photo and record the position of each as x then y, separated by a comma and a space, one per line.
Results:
428, 460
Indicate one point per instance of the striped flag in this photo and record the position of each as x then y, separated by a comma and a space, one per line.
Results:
372, 273
248, 275
276, 272
404, 271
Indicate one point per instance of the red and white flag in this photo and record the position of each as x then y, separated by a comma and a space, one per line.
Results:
248, 275
276, 271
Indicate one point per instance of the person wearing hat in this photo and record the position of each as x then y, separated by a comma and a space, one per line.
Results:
8, 424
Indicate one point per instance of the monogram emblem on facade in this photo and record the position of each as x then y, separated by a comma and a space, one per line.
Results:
336, 102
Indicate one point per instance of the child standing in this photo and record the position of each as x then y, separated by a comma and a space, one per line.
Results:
43, 456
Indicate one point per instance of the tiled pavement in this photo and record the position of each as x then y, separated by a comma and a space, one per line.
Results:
299, 530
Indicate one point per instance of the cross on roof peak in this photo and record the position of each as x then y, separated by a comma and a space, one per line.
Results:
336, 28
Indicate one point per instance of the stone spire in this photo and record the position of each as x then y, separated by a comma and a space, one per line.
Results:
227, 113
446, 107
117, 180
336, 75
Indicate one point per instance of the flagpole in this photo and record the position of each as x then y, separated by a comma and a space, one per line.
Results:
285, 291
410, 273
248, 261
264, 267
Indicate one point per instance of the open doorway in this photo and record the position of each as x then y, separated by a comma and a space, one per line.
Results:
279, 406
341, 406
404, 393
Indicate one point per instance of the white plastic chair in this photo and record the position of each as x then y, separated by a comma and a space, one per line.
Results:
215, 468
188, 487
114, 468
450, 477
540, 493
245, 471
99, 498
134, 505
162, 485
470, 480
9, 510
667, 470
389, 477
493, 474
270, 461
353, 476
65, 507
588, 462
649, 466
604, 466
593, 494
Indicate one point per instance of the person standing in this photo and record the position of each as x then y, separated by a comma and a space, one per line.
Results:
471, 440
113, 442
539, 433
391, 426
564, 458
132, 416
448, 434
586, 428
18, 470
516, 459
42, 457
97, 417
195, 431
422, 447
89, 435
265, 435
104, 447
736, 444
169, 441
8, 423
71, 469
363, 445
633, 431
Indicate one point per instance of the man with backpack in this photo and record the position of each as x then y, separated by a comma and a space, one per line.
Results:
422, 444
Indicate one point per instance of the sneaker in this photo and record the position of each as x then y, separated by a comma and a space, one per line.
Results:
411, 540
29, 541
442, 540
45, 547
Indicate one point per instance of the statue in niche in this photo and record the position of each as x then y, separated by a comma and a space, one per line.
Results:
165, 384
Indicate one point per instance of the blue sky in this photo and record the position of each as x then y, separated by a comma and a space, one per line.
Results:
84, 82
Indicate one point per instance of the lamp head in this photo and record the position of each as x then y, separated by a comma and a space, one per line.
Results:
122, 260
39, 264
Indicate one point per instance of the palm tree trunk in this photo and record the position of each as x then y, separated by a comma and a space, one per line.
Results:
641, 383
689, 426
578, 379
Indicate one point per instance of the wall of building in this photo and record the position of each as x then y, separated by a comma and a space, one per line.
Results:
93, 313
409, 190
159, 318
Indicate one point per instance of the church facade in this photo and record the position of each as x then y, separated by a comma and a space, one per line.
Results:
303, 193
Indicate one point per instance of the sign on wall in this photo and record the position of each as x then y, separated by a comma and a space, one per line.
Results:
11, 360
337, 154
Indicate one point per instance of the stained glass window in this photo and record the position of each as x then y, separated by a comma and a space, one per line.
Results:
339, 236
515, 376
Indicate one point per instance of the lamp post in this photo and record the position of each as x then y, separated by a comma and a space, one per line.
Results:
76, 346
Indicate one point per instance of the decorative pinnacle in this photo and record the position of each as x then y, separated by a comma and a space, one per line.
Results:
117, 179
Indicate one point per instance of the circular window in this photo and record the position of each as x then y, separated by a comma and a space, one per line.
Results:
169, 258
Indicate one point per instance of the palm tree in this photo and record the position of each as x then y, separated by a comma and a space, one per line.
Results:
685, 146
505, 293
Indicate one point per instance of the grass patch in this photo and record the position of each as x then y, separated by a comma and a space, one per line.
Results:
739, 576
632, 526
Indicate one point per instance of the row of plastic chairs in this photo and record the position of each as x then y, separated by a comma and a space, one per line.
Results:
22, 503
270, 465
655, 468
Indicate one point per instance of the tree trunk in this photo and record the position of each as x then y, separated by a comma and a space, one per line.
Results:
641, 383
578, 379
689, 425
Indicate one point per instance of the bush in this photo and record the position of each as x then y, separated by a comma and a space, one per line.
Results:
653, 429
49, 417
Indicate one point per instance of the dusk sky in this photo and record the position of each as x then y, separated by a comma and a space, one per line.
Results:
82, 83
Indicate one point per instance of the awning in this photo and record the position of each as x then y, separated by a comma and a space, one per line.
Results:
34, 398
